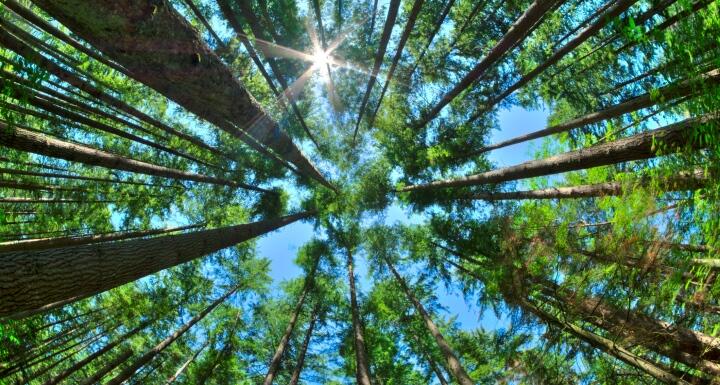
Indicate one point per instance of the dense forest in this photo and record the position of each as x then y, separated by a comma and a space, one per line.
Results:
148, 146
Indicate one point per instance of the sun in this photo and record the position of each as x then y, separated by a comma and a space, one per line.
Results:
320, 58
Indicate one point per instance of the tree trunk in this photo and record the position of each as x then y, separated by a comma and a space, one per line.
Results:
295, 377
12, 171
282, 345
80, 364
51, 201
518, 32
107, 368
435, 369
128, 371
670, 92
181, 67
29, 141
203, 20
637, 147
30, 280
683, 181
362, 371
184, 366
379, 56
438, 24
16, 185
453, 362
51, 243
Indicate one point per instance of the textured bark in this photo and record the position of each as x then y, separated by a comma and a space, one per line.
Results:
141, 361
12, 171
33, 279
282, 345
605, 345
674, 91
51, 243
29, 141
412, 17
453, 362
184, 366
160, 49
517, 33
295, 377
683, 181
362, 370
637, 147
379, 56
80, 364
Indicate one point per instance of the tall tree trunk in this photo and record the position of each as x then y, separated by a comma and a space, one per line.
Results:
637, 147
362, 371
80, 364
51, 201
29, 141
51, 243
30, 280
129, 370
198, 15
185, 365
435, 369
12, 171
295, 377
516, 34
670, 92
683, 181
379, 56
282, 345
16, 185
107, 368
453, 362
438, 24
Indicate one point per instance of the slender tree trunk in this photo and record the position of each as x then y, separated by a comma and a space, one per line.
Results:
670, 92
453, 362
38, 374
435, 369
438, 24
637, 147
80, 364
516, 34
50, 243
295, 377
184, 366
182, 67
128, 371
394, 6
29, 141
362, 371
17, 185
51, 201
11, 171
196, 11
33, 279
107, 368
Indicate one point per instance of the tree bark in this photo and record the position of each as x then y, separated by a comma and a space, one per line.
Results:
128, 371
185, 365
637, 147
453, 362
29, 141
295, 377
17, 185
12, 171
51, 243
362, 370
160, 49
33, 279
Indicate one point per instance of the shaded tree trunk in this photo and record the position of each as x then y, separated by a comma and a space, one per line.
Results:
362, 371
295, 377
184, 366
107, 368
30, 280
79, 177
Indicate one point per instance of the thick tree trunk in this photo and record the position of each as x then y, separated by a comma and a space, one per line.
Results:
379, 56
282, 345
51, 243
604, 345
107, 368
670, 92
453, 362
412, 17
637, 147
362, 371
29, 141
160, 49
683, 181
129, 370
184, 366
295, 377
30, 280
80, 364
516, 34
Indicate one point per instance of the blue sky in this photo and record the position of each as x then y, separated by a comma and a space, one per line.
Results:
282, 245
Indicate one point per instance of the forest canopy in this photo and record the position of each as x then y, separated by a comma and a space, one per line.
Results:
148, 147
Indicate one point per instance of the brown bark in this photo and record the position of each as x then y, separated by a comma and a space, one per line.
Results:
295, 377
25, 140
412, 17
637, 147
453, 362
518, 32
18, 185
107, 368
51, 243
670, 92
379, 56
11, 171
33, 279
141, 361
362, 370
160, 49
